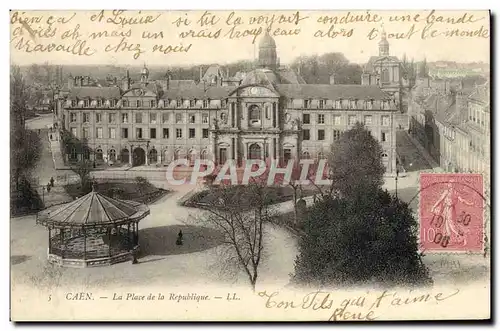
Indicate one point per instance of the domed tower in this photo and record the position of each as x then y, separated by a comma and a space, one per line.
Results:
267, 52
144, 74
383, 45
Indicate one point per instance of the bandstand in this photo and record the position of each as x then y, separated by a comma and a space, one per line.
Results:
94, 230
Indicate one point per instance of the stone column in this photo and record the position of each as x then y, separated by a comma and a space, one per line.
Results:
147, 156
130, 154
159, 156
245, 152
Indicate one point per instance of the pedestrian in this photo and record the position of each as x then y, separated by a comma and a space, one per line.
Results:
48, 187
52, 181
179, 238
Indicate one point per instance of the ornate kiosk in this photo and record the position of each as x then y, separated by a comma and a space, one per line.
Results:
94, 230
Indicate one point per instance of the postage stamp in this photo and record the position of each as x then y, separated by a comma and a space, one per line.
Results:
451, 212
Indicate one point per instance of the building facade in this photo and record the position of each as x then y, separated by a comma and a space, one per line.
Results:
270, 114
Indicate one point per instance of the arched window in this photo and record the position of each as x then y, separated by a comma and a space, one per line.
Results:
204, 154
254, 115
125, 155
98, 154
112, 155
177, 153
153, 156
191, 157
306, 155
86, 153
384, 155
73, 154
254, 152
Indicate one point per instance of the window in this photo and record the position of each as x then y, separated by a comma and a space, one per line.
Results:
369, 104
85, 133
178, 118
86, 117
178, 133
179, 103
73, 103
204, 118
112, 103
124, 118
192, 133
153, 103
307, 103
125, 133
321, 134
98, 118
166, 133
321, 118
354, 104
223, 103
336, 119
98, 133
152, 133
125, 103
152, 118
138, 133
138, 103
86, 103
165, 117
306, 118
322, 104
112, 117
205, 133
368, 119
138, 118
192, 103
336, 134
192, 118
385, 76
385, 120
306, 135
338, 104
352, 119
112, 133
73, 132
206, 103
383, 137
72, 117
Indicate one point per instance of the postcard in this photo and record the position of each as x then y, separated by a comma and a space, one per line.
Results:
237, 165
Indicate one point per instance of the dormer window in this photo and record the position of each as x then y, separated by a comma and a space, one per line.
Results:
338, 104
307, 103
125, 103
99, 103
192, 103
206, 103
138, 103
179, 103
74, 103
112, 103
322, 104
86, 103
224, 103
153, 103
353, 104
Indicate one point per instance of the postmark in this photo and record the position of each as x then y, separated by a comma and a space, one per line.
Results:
451, 212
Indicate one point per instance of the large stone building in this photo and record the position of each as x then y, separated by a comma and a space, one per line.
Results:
268, 112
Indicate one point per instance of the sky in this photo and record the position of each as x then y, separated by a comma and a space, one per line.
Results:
422, 34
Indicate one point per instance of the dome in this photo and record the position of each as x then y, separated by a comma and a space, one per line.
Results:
267, 41
260, 77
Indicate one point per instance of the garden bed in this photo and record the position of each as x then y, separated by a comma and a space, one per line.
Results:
140, 191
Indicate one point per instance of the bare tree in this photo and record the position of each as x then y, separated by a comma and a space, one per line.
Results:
82, 168
240, 212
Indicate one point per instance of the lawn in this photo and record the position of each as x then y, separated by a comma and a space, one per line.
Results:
136, 190
274, 194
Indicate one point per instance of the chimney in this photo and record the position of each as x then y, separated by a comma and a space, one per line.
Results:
201, 73
227, 72
332, 79
71, 81
168, 80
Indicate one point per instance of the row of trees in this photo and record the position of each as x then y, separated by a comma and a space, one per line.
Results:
354, 233
25, 146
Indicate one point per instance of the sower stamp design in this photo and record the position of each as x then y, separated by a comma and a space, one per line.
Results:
451, 212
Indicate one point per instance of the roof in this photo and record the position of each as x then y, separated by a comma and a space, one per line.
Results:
93, 209
213, 70
370, 65
331, 92
150, 86
289, 76
261, 77
198, 92
95, 92
267, 41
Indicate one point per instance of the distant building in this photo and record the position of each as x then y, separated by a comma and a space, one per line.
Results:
270, 114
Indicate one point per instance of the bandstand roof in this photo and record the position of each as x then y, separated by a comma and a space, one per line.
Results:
93, 210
